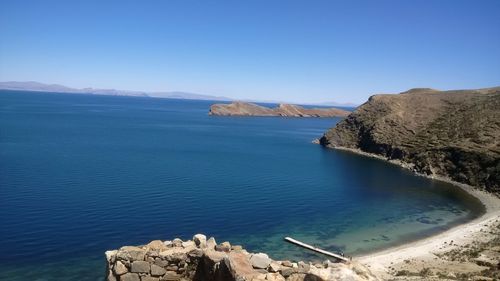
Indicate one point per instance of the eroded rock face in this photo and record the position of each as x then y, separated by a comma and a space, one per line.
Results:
194, 260
284, 110
454, 134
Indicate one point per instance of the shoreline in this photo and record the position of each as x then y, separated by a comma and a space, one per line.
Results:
426, 250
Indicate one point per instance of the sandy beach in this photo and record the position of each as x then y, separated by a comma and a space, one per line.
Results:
427, 253
449, 255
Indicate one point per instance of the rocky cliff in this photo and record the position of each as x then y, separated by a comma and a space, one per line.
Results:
285, 110
205, 260
453, 134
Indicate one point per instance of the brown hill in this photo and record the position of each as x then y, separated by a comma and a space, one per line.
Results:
455, 134
285, 110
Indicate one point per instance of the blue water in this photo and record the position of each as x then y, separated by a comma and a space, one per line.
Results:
80, 174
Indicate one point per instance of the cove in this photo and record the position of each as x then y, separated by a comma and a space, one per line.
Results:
81, 174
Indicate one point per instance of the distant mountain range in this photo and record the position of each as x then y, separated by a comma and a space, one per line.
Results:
56, 88
337, 104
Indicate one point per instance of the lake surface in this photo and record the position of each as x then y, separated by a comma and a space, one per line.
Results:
81, 174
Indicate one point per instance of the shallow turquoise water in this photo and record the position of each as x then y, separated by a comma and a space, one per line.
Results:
80, 174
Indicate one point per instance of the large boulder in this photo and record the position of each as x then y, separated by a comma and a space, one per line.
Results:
200, 240
260, 260
140, 267
239, 265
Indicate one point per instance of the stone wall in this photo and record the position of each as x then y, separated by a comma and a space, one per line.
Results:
201, 259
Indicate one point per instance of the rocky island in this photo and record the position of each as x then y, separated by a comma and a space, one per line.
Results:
284, 110
448, 134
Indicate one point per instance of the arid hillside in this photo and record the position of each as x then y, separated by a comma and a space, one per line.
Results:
455, 134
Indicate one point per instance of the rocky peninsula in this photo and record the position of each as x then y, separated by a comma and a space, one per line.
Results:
448, 134
283, 110
202, 259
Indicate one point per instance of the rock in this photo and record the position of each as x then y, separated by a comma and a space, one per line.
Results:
161, 263
196, 253
215, 256
151, 255
259, 277
239, 265
177, 242
302, 277
111, 277
171, 276
139, 267
167, 243
131, 253
149, 278
172, 268
286, 271
200, 240
274, 277
211, 243
156, 245
188, 244
157, 270
286, 263
120, 268
223, 247
130, 277
174, 254
303, 267
260, 260
236, 248
274, 267
110, 255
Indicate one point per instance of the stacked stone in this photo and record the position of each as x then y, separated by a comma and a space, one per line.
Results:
201, 259
158, 260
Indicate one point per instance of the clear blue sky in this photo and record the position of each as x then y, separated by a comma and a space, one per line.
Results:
298, 51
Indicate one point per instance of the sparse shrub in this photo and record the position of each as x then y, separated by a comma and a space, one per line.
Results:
403, 273
425, 272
